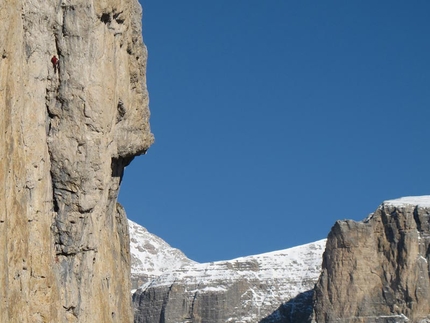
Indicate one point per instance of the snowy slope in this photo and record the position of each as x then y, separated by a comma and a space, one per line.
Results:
151, 255
295, 265
256, 285
422, 201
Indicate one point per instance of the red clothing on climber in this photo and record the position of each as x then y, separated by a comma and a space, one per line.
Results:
55, 61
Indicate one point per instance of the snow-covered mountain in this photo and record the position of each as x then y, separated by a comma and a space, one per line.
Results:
151, 255
246, 289
374, 270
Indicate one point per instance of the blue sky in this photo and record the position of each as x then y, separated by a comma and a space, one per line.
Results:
273, 119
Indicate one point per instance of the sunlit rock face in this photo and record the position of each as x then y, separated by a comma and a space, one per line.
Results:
378, 270
248, 289
67, 132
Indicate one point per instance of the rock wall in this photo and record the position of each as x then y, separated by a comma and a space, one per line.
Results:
378, 270
66, 135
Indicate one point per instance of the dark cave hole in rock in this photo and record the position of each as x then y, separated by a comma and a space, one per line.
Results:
118, 165
105, 18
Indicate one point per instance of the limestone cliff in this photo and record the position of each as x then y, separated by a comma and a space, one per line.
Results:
378, 270
67, 132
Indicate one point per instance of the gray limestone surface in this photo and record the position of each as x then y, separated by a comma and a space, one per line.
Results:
377, 270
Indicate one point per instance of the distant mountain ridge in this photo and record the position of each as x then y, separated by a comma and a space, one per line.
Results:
370, 271
176, 289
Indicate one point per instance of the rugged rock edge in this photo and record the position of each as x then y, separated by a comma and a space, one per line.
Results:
377, 270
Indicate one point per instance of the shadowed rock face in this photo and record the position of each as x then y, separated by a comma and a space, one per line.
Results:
378, 270
66, 136
296, 310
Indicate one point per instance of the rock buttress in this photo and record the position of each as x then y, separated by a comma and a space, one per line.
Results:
377, 270
66, 136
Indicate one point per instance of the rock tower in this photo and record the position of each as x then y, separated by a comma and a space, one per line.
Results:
377, 270
66, 134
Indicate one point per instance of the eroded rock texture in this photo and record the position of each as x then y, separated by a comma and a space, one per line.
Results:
66, 135
378, 270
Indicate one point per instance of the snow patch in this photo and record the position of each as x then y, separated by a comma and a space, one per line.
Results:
151, 255
266, 280
422, 258
295, 264
423, 201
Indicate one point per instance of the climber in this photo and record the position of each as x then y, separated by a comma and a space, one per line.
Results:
55, 62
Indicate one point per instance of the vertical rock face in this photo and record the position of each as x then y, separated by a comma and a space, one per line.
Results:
66, 135
378, 270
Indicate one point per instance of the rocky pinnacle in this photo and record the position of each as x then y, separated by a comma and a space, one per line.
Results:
376, 271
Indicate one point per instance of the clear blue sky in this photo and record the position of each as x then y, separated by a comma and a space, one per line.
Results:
273, 119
